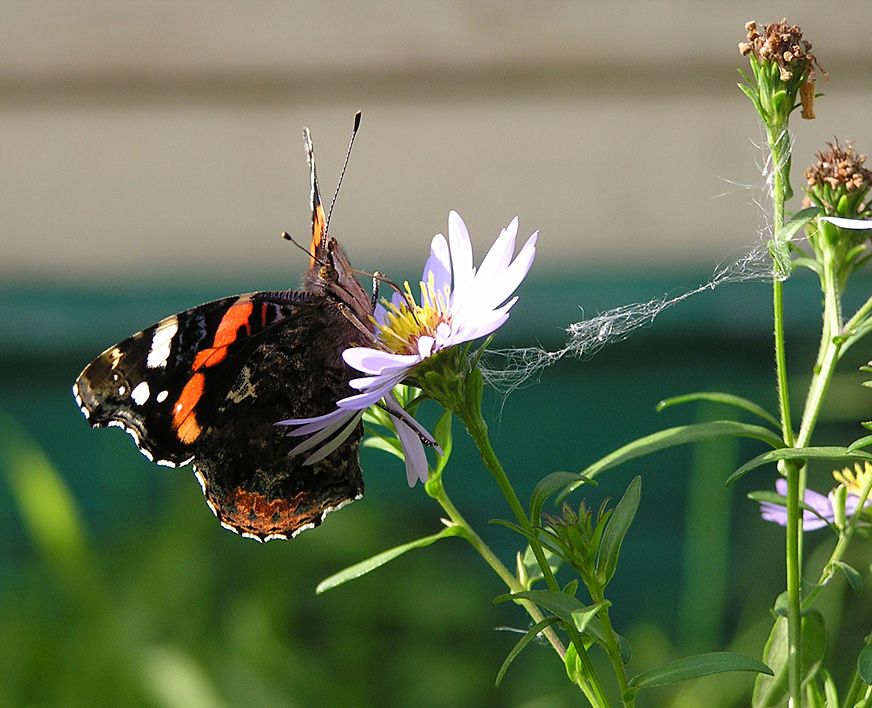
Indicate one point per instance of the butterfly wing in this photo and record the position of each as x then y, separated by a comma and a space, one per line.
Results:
209, 384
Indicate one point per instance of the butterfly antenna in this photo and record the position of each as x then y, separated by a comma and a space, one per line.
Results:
344, 165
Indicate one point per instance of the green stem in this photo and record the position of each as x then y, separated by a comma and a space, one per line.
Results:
437, 491
613, 650
779, 146
829, 351
477, 429
793, 567
780, 151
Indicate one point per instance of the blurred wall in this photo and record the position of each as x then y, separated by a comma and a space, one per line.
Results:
141, 139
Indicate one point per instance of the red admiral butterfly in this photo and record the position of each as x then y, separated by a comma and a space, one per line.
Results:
209, 384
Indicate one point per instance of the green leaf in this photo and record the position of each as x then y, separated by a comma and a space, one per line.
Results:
377, 441
695, 666
853, 576
364, 567
531, 565
780, 253
771, 691
865, 441
798, 453
442, 434
574, 668
864, 664
566, 607
725, 398
616, 530
680, 435
548, 486
800, 219
525, 640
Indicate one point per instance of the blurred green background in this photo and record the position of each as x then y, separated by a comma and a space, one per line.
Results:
150, 155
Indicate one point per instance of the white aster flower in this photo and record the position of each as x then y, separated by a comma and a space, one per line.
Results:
458, 304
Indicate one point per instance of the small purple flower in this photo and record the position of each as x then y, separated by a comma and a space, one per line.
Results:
810, 521
821, 504
458, 304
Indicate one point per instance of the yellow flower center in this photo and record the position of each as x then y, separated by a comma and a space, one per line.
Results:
855, 480
407, 322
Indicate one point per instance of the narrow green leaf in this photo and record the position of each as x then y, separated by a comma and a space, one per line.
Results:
865, 441
695, 666
864, 664
853, 576
813, 696
680, 435
548, 486
810, 263
831, 693
525, 640
616, 530
798, 453
531, 565
443, 436
376, 441
800, 219
364, 567
725, 398
574, 668
442, 432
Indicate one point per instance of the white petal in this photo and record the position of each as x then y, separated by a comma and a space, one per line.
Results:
335, 442
439, 264
506, 282
461, 252
500, 254
425, 347
393, 405
375, 361
413, 453
482, 326
316, 423
379, 388
843, 223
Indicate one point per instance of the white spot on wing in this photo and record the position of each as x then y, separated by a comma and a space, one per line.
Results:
140, 393
114, 353
161, 343
162, 396
79, 402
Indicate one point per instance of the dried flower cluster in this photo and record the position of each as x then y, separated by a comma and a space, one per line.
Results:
783, 45
837, 167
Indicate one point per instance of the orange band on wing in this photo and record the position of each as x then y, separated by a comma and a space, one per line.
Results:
319, 228
184, 420
227, 333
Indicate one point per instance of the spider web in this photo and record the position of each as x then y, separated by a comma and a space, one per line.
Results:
508, 369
